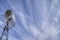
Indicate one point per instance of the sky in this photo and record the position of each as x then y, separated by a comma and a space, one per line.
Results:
35, 19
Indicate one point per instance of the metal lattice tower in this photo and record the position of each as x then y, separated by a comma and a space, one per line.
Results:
5, 31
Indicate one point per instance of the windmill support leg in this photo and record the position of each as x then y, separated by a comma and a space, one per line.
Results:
2, 35
5, 31
7, 34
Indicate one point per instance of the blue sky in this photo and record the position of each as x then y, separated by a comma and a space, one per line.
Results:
35, 19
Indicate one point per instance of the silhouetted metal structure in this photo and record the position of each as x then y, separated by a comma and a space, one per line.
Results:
8, 19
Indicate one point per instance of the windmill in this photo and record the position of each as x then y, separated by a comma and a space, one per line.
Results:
9, 19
